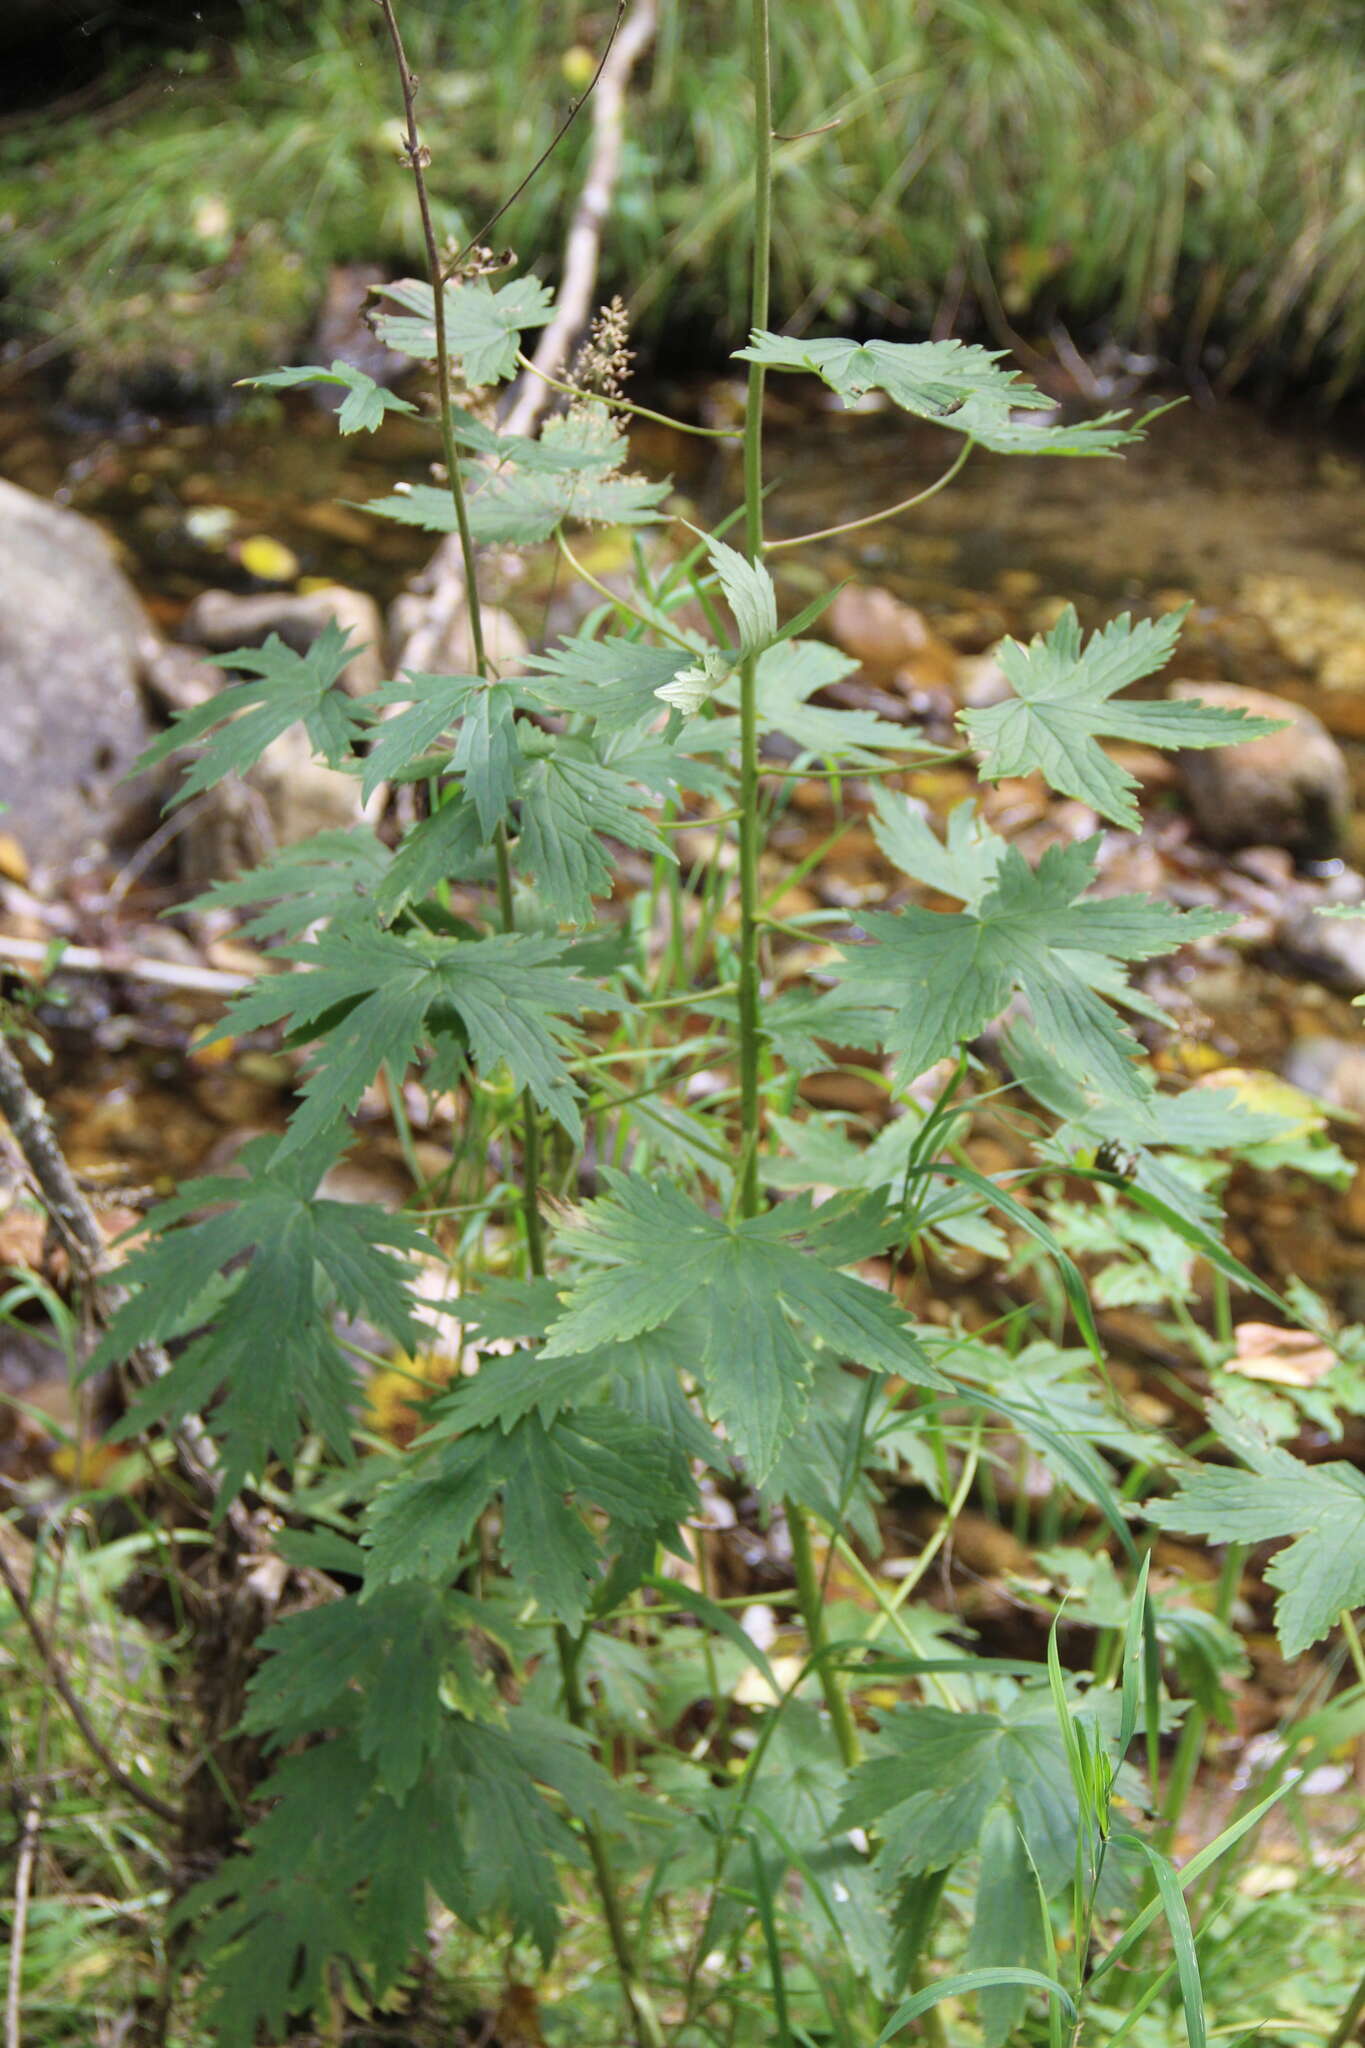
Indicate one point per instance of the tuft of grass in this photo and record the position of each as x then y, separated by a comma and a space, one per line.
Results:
1187, 174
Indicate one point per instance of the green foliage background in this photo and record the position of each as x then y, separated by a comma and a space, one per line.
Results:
1182, 172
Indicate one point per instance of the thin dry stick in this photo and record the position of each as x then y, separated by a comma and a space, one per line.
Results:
583, 245
23, 1883
207, 981
71, 1701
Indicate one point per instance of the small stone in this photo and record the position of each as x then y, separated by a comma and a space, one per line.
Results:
877, 629
1331, 949
1331, 1069
981, 682
13, 860
1014, 585
1289, 788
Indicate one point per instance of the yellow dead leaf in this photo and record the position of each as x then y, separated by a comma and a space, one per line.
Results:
13, 859
1270, 1095
268, 560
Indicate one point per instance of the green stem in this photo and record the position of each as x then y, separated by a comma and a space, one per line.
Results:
799, 540
645, 2021
417, 159
750, 1031
813, 1614
530, 1120
639, 412
1350, 2019
1353, 1642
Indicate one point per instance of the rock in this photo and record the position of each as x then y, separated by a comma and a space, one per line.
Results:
876, 628
981, 682
1289, 788
176, 677
71, 639
302, 794
1315, 625
1330, 1069
221, 620
1331, 949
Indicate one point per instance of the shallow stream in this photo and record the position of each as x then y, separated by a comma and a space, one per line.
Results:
1260, 522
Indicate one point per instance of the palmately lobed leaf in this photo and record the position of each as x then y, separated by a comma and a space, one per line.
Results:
1321, 1573
374, 999
569, 800
484, 323
931, 378
954, 383
1063, 705
326, 879
364, 406
255, 1285
946, 975
750, 594
543, 1472
765, 1293
962, 865
614, 680
281, 688
518, 508
943, 1773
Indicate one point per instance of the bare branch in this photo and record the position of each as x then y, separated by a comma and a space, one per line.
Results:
583, 246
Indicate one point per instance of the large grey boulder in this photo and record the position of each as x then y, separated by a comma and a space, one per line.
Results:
72, 717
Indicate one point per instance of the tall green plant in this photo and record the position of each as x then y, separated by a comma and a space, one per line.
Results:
452, 1722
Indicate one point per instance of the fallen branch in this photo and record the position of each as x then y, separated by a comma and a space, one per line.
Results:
583, 246
23, 1883
442, 582
207, 981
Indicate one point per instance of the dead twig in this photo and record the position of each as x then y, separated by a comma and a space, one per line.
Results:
583, 246
442, 583
207, 981
23, 1884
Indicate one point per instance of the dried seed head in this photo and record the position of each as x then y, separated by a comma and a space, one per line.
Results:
603, 362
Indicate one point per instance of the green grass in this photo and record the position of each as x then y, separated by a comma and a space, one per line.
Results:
1185, 173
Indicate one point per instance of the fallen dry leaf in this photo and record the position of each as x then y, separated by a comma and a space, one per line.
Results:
1286, 1358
